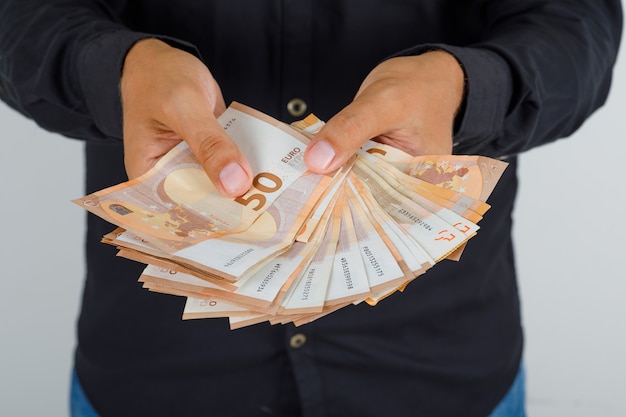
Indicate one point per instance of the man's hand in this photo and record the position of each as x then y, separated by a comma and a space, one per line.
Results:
406, 102
168, 95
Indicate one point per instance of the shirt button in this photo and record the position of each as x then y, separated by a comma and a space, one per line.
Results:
297, 340
296, 107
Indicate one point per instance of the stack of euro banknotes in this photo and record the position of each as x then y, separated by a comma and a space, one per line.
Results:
298, 245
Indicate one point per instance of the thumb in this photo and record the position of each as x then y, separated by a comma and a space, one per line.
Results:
226, 166
341, 136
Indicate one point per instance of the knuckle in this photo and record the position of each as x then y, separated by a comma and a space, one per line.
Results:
350, 125
179, 98
213, 150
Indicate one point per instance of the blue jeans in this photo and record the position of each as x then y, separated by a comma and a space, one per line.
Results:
514, 402
512, 405
79, 404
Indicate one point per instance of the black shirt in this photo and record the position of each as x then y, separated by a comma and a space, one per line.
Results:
449, 345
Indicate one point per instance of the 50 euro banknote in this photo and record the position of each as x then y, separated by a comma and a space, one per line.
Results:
174, 205
298, 245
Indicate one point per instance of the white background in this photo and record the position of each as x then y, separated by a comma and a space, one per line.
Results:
569, 234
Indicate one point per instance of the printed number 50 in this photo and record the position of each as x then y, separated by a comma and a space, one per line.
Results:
271, 184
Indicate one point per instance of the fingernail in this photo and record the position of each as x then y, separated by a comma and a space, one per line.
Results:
320, 155
233, 178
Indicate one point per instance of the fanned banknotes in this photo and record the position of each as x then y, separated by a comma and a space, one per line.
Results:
298, 245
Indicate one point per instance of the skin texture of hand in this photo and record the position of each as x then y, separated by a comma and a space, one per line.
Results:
169, 95
406, 102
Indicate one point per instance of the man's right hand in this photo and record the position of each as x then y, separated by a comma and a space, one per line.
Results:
169, 95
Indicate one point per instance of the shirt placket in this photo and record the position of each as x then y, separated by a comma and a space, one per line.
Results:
296, 59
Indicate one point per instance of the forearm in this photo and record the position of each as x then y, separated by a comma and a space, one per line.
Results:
61, 63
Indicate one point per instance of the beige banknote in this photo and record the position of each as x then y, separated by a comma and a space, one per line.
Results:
174, 205
472, 175
298, 246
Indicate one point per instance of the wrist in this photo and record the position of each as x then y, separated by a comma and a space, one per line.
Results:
142, 52
452, 70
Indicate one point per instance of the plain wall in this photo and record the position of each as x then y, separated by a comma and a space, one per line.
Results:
570, 257
568, 232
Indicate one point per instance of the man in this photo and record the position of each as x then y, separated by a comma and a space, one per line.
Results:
477, 77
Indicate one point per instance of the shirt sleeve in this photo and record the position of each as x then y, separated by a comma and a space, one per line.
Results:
540, 70
61, 61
